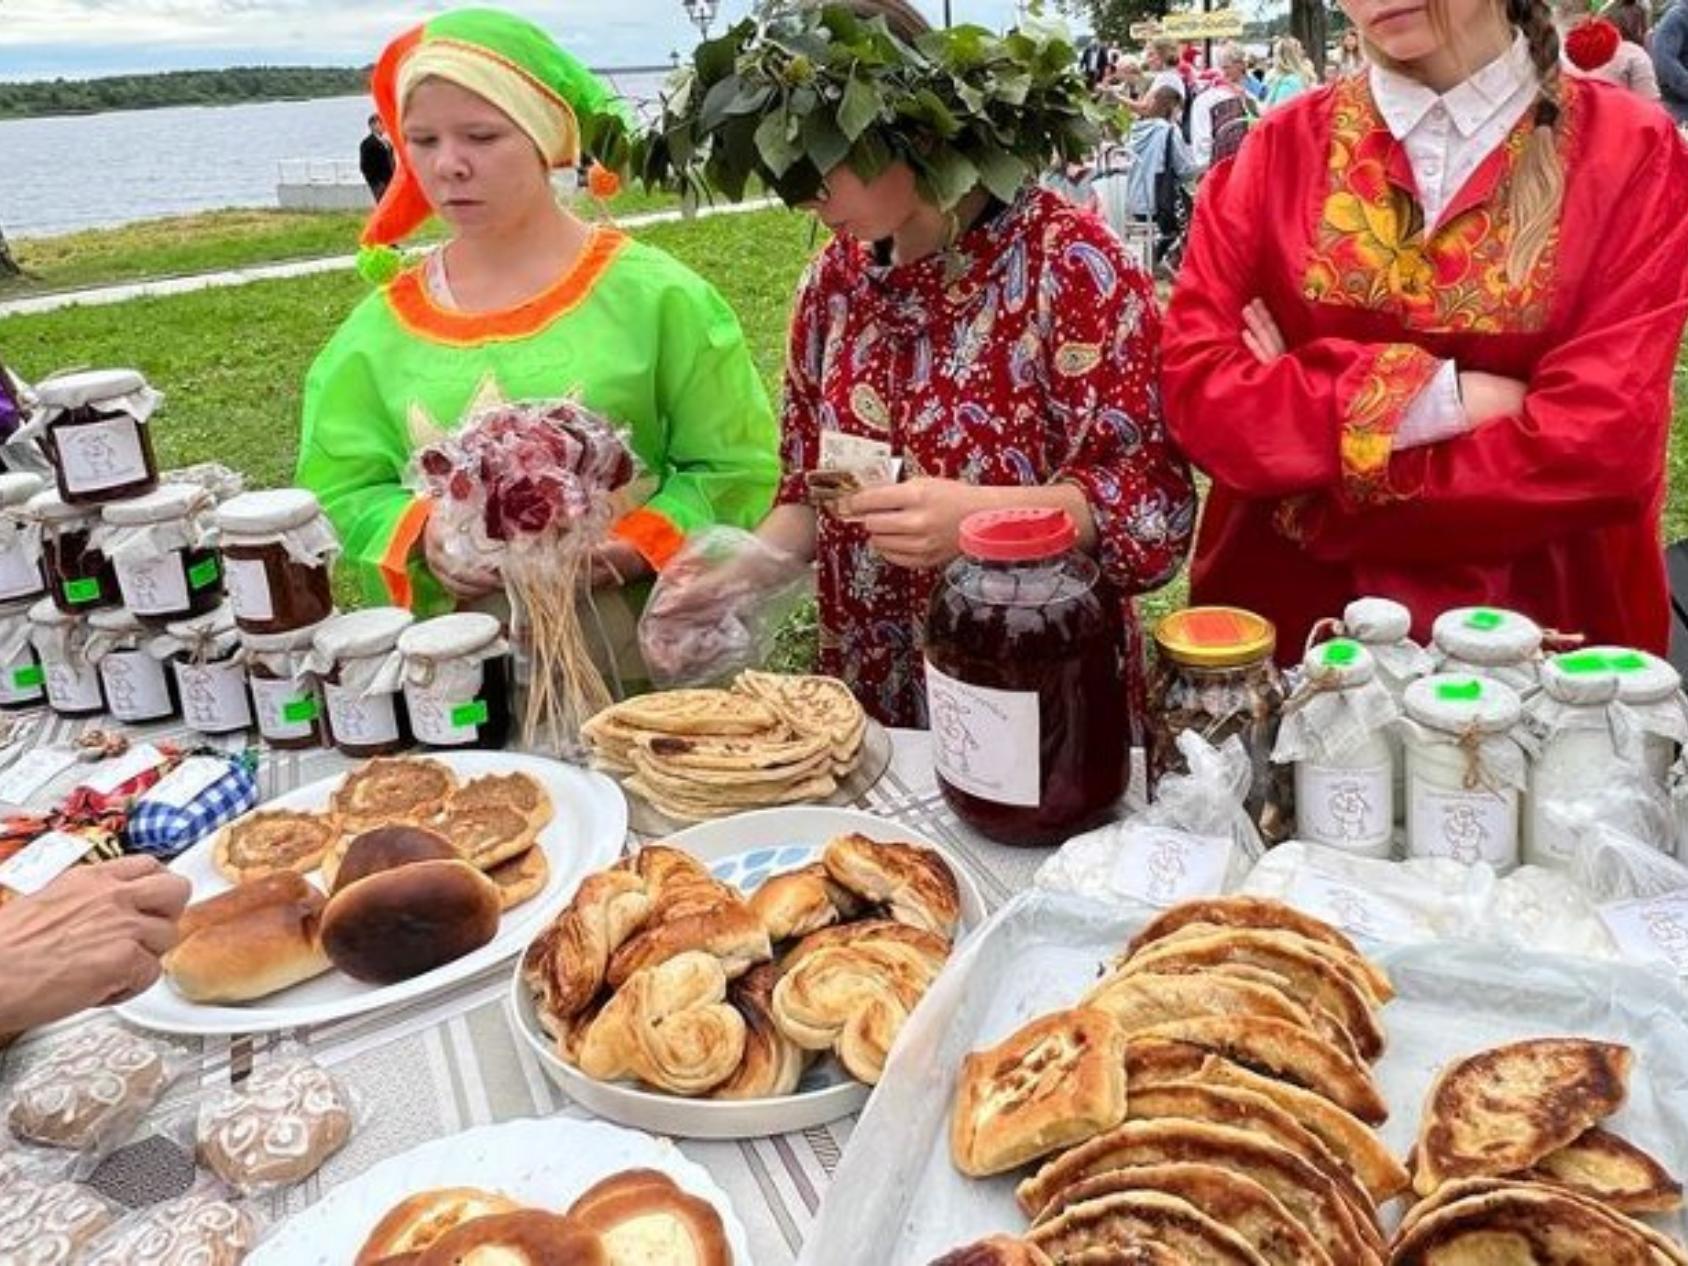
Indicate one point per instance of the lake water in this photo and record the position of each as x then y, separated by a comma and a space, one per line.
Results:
97, 170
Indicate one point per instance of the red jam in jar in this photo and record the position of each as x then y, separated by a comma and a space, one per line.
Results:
78, 575
1025, 682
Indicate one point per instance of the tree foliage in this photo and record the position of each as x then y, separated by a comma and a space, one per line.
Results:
180, 87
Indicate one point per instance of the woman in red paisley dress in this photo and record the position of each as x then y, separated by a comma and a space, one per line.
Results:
1425, 332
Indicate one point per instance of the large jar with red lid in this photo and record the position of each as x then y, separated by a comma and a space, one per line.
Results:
1025, 681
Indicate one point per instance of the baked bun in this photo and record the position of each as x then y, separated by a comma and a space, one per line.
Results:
565, 967
914, 884
527, 1237
249, 942
88, 1089
417, 1223
276, 1129
799, 902
644, 1219
669, 1026
772, 1063
385, 847
396, 923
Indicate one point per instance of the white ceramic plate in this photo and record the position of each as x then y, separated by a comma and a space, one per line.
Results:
586, 833
542, 1163
744, 851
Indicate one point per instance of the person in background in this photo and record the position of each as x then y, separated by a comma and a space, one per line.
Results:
1163, 70
1255, 83
1600, 47
1221, 107
91, 938
1154, 144
1095, 61
375, 158
1350, 53
1333, 72
1670, 59
1291, 74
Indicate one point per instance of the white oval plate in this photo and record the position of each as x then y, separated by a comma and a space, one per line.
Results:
546, 1164
744, 851
586, 833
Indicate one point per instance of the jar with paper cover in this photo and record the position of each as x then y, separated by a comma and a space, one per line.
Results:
1335, 731
78, 575
61, 644
21, 579
286, 696
210, 678
355, 656
1024, 683
1652, 689
1488, 642
161, 551
137, 686
1384, 628
22, 680
96, 434
278, 549
1214, 674
1465, 770
457, 681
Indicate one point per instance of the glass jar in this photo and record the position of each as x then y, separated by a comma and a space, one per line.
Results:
1384, 628
20, 539
1465, 770
161, 552
457, 681
210, 679
1487, 642
96, 434
78, 576
1214, 674
1335, 730
1023, 657
1652, 689
61, 644
137, 688
278, 549
22, 681
355, 656
285, 693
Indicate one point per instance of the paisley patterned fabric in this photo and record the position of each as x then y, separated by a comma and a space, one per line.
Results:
1024, 355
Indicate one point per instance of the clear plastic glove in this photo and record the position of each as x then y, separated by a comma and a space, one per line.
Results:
717, 606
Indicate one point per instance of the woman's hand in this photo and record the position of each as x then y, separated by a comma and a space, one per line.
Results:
1489, 396
449, 557
1261, 334
915, 524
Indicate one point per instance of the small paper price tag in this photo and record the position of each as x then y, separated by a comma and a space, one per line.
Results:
30, 675
203, 573
43, 861
77, 592
296, 711
33, 771
465, 715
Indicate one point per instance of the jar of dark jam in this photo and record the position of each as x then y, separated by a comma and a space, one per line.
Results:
97, 434
355, 657
20, 539
210, 678
1025, 681
61, 644
22, 680
285, 692
161, 553
137, 687
457, 681
1214, 674
78, 575
278, 549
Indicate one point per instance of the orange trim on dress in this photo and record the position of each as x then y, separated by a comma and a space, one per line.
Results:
417, 312
1391, 383
652, 533
395, 561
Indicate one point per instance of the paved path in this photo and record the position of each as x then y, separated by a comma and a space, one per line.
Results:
268, 272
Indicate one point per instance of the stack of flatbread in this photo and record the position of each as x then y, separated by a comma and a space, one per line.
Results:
696, 754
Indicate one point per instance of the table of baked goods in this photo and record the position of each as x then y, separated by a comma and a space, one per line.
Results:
452, 1061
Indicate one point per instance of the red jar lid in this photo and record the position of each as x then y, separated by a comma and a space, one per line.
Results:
1018, 536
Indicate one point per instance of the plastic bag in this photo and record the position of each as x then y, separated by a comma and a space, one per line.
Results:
48, 1223
277, 1127
717, 606
1614, 856
88, 1090
202, 1226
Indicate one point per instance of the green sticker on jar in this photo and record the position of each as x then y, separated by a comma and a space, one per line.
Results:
1583, 663
1484, 620
1460, 691
33, 675
203, 573
1341, 652
296, 710
1628, 662
84, 590
470, 714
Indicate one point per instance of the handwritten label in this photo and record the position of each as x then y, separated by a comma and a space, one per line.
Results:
131, 765
100, 455
1348, 809
1651, 930
283, 712
365, 722
153, 586
188, 781
33, 771
1163, 867
20, 576
42, 861
985, 742
1466, 826
214, 698
248, 586
135, 686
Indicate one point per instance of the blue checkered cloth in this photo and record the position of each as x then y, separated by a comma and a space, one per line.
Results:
163, 828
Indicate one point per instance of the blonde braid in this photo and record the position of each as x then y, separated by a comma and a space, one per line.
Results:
1538, 186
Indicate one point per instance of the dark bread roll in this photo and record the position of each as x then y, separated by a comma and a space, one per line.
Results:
410, 918
389, 846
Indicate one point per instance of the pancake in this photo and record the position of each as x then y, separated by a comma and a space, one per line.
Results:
1613, 1171
1144, 999
1526, 1226
1148, 1216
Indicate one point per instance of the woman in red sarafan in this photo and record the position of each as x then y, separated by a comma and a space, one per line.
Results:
1424, 337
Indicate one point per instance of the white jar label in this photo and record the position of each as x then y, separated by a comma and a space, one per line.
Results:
286, 709
21, 680
214, 698
1164, 867
100, 455
364, 722
442, 720
986, 742
1651, 930
1467, 826
1349, 809
248, 586
19, 574
135, 685
72, 687
155, 586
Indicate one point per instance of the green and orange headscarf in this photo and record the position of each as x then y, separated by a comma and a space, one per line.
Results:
496, 55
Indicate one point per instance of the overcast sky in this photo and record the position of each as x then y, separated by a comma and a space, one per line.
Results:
44, 38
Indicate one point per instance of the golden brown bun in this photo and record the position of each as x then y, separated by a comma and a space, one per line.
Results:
283, 885
669, 1026
854, 999
637, 1217
796, 903
527, 1237
262, 947
913, 883
619, 1184
729, 931
397, 924
772, 1064
861, 934
565, 967
521, 878
414, 1224
385, 847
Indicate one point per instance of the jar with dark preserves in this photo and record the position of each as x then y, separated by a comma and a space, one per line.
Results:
97, 436
1024, 681
286, 695
355, 656
22, 681
210, 679
137, 687
278, 548
61, 644
78, 575
161, 553
457, 681
1214, 674
20, 539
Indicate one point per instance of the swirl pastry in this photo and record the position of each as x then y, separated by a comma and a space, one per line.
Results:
800, 902
565, 967
914, 884
669, 1026
272, 840
48, 1225
773, 1063
854, 999
392, 790
275, 1130
195, 1230
88, 1089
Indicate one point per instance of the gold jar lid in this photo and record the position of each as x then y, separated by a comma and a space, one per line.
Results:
1215, 637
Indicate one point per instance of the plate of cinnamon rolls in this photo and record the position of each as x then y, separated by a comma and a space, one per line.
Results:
745, 977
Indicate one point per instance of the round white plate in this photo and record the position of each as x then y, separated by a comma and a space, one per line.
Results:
586, 833
546, 1164
744, 851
